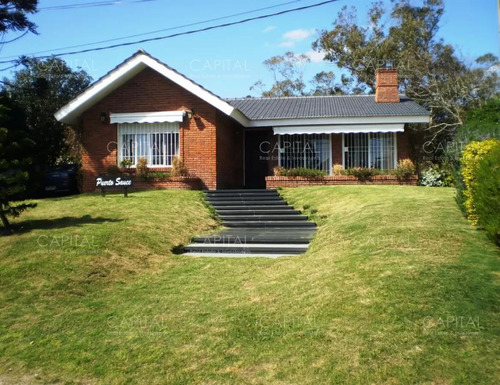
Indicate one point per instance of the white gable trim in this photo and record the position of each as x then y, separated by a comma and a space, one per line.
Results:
103, 87
147, 117
339, 129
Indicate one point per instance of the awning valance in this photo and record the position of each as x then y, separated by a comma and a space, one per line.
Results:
339, 129
147, 117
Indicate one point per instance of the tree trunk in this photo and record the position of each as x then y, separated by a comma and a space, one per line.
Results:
7, 229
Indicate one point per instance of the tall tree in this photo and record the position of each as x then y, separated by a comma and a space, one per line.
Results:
41, 88
15, 150
430, 71
14, 15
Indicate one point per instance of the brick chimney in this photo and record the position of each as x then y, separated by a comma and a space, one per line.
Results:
387, 86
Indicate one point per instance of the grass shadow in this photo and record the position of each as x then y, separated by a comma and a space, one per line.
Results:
59, 223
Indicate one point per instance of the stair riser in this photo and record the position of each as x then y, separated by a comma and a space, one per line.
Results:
249, 250
221, 205
223, 213
267, 225
221, 242
250, 199
262, 218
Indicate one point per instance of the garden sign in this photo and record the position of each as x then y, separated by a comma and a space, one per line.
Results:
106, 181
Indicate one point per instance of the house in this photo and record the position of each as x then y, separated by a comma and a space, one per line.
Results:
144, 108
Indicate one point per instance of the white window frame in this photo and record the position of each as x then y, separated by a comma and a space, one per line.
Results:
369, 149
330, 155
149, 129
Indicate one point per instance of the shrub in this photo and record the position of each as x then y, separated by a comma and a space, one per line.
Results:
472, 155
142, 166
405, 169
337, 169
431, 177
126, 163
114, 170
305, 172
156, 175
363, 173
279, 171
486, 193
178, 168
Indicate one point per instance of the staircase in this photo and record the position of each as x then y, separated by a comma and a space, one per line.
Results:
257, 223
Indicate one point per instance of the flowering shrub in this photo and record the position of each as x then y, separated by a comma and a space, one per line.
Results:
338, 169
431, 177
405, 170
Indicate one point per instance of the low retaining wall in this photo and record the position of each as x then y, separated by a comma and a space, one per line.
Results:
297, 181
174, 183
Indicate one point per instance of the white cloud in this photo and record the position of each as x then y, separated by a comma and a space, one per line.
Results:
269, 29
296, 35
299, 34
315, 56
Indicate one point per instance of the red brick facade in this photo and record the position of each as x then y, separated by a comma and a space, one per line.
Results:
212, 145
149, 91
297, 181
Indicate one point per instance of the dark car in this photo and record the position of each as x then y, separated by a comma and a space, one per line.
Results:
60, 180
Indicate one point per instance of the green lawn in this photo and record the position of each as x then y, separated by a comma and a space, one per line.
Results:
396, 288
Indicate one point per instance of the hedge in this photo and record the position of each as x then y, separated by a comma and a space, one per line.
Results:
472, 155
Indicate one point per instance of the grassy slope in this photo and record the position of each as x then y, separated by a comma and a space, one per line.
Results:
396, 288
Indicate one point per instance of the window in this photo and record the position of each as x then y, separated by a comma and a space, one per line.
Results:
310, 151
374, 150
157, 142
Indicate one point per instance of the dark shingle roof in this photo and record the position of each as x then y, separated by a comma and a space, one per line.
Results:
324, 107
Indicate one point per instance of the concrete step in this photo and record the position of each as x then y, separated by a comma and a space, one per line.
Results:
256, 235
222, 204
269, 224
263, 190
263, 218
255, 248
270, 211
244, 199
254, 207
242, 194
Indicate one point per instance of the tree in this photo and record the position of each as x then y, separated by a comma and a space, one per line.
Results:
13, 15
15, 147
41, 88
429, 70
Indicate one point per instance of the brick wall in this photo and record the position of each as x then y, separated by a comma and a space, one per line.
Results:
402, 139
149, 91
297, 181
387, 86
336, 149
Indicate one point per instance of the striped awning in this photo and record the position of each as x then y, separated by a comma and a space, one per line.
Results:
147, 117
339, 129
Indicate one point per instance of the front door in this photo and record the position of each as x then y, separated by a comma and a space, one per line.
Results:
256, 160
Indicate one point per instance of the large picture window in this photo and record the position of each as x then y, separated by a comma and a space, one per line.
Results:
374, 150
157, 142
309, 151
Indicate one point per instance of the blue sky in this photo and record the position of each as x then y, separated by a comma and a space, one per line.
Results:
226, 61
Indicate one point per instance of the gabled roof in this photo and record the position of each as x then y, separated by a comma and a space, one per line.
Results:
307, 107
127, 70
255, 112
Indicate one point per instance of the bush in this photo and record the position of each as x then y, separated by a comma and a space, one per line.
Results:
178, 168
279, 171
300, 171
472, 155
337, 169
431, 177
405, 169
156, 175
142, 166
363, 173
486, 193
126, 163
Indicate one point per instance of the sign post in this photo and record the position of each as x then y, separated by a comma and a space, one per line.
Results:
113, 181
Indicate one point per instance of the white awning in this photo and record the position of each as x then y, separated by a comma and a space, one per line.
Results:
339, 129
147, 117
